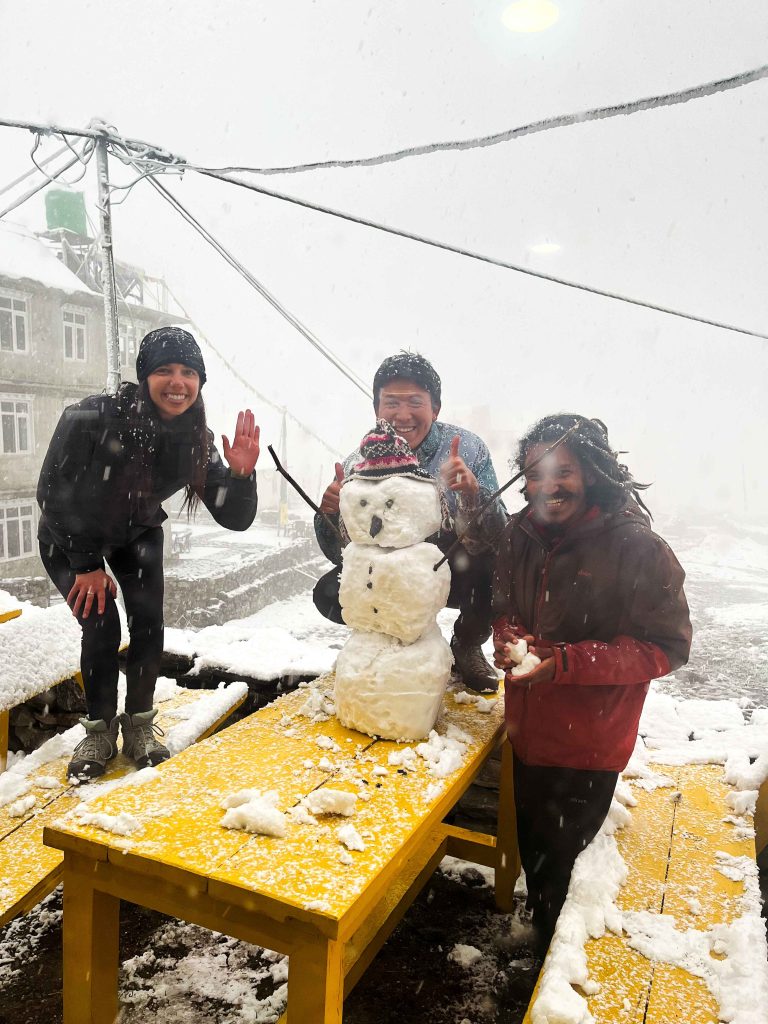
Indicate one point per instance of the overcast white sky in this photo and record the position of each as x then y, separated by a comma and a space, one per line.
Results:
669, 206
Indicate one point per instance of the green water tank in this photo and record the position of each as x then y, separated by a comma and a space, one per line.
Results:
65, 209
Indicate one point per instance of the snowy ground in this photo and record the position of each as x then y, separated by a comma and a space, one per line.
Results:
453, 960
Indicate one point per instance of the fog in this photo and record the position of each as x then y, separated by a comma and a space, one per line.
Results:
669, 206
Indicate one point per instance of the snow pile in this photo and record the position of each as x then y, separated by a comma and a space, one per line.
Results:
350, 837
254, 811
23, 256
444, 754
330, 801
38, 649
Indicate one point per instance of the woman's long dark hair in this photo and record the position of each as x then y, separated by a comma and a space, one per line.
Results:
144, 424
614, 487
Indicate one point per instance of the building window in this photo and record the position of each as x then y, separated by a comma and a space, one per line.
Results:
131, 333
74, 334
17, 531
16, 425
13, 324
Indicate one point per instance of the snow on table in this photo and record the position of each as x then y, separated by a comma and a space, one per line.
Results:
662, 919
39, 649
275, 751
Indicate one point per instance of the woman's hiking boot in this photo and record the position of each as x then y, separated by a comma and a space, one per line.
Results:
90, 756
140, 739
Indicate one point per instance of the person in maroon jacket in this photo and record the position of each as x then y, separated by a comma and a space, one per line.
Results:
598, 596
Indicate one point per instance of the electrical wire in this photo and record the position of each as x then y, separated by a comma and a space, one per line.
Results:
482, 258
259, 287
49, 179
547, 124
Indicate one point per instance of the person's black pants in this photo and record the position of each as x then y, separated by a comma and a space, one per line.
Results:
470, 593
559, 813
138, 568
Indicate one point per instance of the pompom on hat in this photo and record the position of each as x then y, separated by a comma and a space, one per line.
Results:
386, 454
169, 345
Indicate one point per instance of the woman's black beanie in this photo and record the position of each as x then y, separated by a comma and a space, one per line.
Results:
168, 345
411, 366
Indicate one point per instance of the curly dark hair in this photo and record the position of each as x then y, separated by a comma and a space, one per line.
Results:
614, 487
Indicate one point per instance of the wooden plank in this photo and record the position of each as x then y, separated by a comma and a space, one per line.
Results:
30, 870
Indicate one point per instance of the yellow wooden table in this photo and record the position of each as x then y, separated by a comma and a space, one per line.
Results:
303, 894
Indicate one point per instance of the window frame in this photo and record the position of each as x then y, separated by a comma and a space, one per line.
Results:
21, 518
15, 296
7, 397
74, 311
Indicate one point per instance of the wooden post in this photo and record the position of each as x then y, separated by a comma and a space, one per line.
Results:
508, 855
108, 286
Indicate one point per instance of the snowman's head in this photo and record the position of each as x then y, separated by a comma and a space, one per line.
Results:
393, 512
389, 499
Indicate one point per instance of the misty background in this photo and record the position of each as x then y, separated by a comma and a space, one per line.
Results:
668, 206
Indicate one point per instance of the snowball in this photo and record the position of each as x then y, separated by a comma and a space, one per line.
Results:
394, 591
465, 955
517, 651
408, 510
330, 801
389, 689
350, 837
253, 811
527, 664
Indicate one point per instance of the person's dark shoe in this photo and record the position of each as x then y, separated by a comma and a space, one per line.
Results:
470, 663
139, 740
90, 756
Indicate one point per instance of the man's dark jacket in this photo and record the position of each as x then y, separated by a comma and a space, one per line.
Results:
608, 595
105, 475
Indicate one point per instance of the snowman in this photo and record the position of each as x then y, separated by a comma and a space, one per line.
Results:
392, 672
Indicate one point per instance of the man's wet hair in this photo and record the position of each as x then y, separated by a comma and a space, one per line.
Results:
614, 487
408, 366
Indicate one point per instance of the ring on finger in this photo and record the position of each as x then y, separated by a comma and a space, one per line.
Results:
90, 591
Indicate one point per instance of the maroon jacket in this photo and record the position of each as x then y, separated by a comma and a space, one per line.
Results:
608, 595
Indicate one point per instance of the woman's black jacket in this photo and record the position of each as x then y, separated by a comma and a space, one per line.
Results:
107, 471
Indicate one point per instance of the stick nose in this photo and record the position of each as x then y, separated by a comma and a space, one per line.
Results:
376, 525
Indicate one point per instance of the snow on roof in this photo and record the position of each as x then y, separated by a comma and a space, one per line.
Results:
24, 256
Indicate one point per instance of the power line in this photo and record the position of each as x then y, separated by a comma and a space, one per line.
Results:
44, 184
274, 302
470, 254
33, 170
239, 377
547, 124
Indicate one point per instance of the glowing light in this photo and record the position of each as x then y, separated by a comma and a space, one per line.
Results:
530, 15
544, 248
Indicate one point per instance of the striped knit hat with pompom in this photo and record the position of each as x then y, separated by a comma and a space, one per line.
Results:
384, 454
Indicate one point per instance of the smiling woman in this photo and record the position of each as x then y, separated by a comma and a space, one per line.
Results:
110, 465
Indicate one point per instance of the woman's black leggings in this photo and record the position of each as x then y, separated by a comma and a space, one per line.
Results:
138, 568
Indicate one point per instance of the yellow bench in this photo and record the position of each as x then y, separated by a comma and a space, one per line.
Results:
672, 846
28, 869
305, 894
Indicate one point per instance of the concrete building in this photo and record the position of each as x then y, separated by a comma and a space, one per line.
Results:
53, 353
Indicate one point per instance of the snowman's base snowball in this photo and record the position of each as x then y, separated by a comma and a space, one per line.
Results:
389, 689
393, 590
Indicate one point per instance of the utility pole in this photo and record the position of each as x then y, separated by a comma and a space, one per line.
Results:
108, 270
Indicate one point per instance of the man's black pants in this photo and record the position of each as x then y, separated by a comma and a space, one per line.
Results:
559, 813
138, 568
470, 593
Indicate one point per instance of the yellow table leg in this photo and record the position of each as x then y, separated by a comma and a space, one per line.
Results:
508, 855
4, 717
90, 946
316, 983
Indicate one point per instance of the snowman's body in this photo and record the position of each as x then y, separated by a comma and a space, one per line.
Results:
392, 673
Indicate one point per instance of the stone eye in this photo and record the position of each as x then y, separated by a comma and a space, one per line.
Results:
363, 502
390, 502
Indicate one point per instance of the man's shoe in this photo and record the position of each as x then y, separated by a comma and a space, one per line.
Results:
139, 741
470, 663
90, 756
